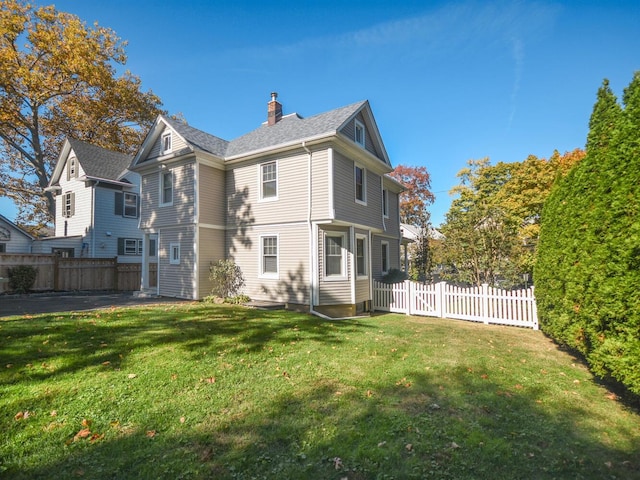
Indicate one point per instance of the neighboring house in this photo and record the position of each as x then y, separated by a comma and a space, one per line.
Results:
410, 235
13, 239
302, 205
97, 205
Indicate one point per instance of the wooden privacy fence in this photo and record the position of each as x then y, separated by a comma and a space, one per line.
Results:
63, 274
479, 304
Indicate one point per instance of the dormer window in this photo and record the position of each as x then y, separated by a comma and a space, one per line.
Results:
166, 142
359, 134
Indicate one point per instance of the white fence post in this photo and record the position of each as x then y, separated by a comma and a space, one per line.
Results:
485, 303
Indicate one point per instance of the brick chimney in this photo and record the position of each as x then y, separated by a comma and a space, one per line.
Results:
274, 110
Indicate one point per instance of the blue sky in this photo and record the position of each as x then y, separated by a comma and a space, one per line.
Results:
447, 81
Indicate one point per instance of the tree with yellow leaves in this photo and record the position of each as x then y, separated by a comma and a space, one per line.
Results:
58, 79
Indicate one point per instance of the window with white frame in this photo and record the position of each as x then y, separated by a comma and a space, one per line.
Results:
334, 255
385, 202
72, 168
361, 255
359, 133
174, 253
360, 176
166, 188
68, 204
166, 142
385, 257
130, 205
129, 246
152, 247
269, 181
269, 256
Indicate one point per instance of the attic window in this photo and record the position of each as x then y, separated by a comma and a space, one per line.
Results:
359, 134
166, 142
72, 168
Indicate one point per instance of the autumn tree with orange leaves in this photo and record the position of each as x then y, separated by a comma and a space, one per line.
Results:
414, 203
58, 79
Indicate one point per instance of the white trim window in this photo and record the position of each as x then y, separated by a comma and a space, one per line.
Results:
359, 134
130, 205
360, 184
269, 256
334, 255
385, 203
166, 188
174, 253
384, 257
72, 168
269, 181
68, 207
361, 256
165, 143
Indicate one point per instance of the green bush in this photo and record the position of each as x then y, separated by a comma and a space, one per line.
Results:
587, 271
22, 278
226, 278
394, 276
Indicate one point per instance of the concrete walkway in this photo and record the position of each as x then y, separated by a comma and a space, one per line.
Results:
67, 302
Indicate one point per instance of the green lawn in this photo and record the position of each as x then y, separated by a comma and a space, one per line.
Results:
202, 391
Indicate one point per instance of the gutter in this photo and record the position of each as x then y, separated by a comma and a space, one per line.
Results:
312, 244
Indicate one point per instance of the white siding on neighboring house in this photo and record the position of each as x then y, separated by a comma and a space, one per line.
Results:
13, 240
79, 222
109, 227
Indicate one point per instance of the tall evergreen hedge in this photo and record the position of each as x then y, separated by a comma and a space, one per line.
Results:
587, 272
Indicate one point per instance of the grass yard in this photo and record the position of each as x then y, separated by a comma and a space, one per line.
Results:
201, 391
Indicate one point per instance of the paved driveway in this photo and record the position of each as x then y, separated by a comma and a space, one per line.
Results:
39, 303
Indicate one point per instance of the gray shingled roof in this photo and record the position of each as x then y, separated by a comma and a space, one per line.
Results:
292, 128
197, 138
99, 162
289, 129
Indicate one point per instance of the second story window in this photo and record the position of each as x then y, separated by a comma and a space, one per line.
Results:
166, 142
359, 134
360, 175
269, 181
68, 204
166, 188
130, 208
385, 202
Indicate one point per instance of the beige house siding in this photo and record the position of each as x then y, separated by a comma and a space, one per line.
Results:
320, 185
333, 292
182, 210
349, 130
346, 207
292, 282
177, 280
177, 144
244, 191
210, 250
211, 195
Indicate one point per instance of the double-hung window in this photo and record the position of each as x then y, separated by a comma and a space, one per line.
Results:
359, 133
385, 202
166, 142
269, 256
334, 255
361, 256
68, 206
360, 175
269, 181
130, 207
174, 253
72, 168
385, 257
129, 246
166, 188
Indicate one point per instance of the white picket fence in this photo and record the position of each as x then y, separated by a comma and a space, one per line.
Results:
479, 304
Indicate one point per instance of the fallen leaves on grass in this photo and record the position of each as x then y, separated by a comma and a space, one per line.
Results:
22, 415
132, 375
151, 433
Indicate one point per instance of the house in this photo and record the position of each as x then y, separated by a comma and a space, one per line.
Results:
13, 239
302, 205
97, 205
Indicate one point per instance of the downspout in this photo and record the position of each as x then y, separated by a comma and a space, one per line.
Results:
93, 220
312, 249
384, 225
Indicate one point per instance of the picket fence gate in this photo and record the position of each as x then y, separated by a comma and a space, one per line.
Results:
479, 304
